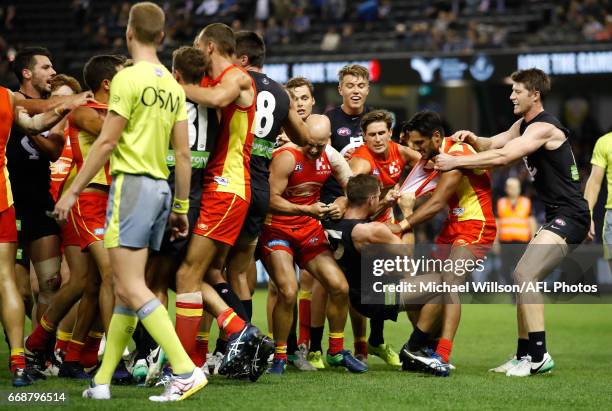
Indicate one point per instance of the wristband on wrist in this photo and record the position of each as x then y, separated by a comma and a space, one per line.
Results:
180, 206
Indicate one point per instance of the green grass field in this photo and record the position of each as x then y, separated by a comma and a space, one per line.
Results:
578, 336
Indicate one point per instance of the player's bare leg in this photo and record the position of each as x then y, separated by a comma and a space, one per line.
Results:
13, 312
270, 304
545, 252
239, 261
46, 259
102, 260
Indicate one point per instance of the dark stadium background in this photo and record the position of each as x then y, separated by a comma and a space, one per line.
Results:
450, 56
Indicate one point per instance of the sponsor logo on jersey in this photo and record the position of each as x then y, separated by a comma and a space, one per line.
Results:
321, 164
222, 181
458, 211
344, 131
298, 167
376, 172
560, 221
394, 168
279, 243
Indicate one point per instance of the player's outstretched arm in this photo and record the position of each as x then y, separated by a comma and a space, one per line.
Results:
434, 204
535, 136
488, 143
40, 122
98, 156
36, 105
410, 156
373, 233
221, 95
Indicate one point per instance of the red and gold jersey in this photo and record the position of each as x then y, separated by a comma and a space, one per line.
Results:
62, 172
81, 143
228, 169
387, 170
472, 197
304, 184
6, 122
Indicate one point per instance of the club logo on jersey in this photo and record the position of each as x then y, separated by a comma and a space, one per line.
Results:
265, 81
322, 165
532, 170
313, 240
222, 181
560, 221
344, 131
458, 212
394, 168
298, 167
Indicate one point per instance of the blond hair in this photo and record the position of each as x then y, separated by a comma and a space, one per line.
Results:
147, 21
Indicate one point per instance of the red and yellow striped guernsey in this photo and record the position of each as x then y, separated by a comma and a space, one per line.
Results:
472, 197
6, 122
81, 143
228, 168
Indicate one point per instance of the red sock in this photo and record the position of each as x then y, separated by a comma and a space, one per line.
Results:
304, 318
73, 352
62, 340
44, 331
361, 346
17, 359
336, 342
188, 317
444, 348
230, 322
280, 351
89, 353
201, 349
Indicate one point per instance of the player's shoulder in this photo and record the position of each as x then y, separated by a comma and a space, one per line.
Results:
333, 112
604, 141
457, 148
371, 232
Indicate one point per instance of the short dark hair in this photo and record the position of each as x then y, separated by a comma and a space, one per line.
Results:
534, 80
361, 187
376, 116
60, 80
220, 34
24, 59
426, 123
299, 82
250, 44
190, 62
100, 68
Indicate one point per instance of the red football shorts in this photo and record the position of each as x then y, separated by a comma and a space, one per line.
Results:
88, 216
221, 216
303, 242
70, 237
8, 226
477, 235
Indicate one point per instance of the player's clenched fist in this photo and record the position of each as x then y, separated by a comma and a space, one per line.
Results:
63, 206
179, 226
317, 210
444, 162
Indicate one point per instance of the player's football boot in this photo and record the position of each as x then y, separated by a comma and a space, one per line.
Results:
386, 353
544, 366
259, 357
316, 359
181, 388
505, 366
121, 376
213, 362
239, 347
140, 371
345, 359
526, 367
156, 360
72, 369
21, 378
97, 391
300, 359
438, 366
278, 366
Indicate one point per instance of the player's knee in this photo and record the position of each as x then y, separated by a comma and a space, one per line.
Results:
49, 278
188, 278
338, 288
287, 294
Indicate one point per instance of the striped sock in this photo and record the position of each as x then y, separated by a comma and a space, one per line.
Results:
63, 338
44, 331
336, 342
17, 358
280, 351
230, 322
73, 352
